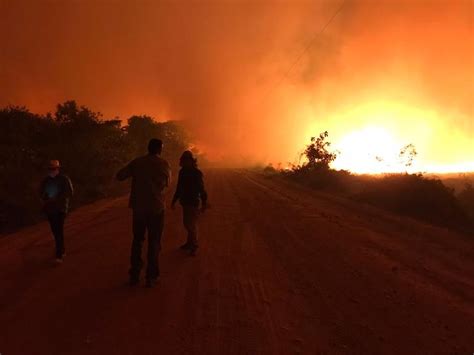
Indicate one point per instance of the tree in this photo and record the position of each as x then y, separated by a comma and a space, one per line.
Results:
141, 129
317, 152
70, 113
466, 199
91, 150
407, 155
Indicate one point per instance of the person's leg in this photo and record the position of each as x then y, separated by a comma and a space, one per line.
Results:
52, 225
187, 245
56, 222
190, 217
186, 223
60, 238
139, 226
155, 231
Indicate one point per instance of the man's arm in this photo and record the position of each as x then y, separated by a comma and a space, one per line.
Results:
126, 172
69, 188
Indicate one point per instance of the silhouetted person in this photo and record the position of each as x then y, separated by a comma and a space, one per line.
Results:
191, 193
55, 191
150, 176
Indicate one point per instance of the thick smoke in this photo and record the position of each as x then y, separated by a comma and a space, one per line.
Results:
222, 67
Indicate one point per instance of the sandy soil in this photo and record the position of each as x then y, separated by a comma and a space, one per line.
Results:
281, 270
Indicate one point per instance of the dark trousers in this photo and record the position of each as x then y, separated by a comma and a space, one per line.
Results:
190, 219
153, 223
56, 221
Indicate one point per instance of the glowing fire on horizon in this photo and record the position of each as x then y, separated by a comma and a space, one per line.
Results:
370, 150
376, 132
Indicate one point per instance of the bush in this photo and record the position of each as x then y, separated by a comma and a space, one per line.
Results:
466, 199
317, 152
270, 170
322, 178
415, 196
427, 199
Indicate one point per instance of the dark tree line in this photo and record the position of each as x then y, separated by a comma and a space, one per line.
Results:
91, 149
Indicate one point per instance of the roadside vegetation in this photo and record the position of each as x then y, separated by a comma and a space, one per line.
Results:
90, 147
418, 196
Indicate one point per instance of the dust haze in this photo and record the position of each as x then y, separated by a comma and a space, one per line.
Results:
223, 68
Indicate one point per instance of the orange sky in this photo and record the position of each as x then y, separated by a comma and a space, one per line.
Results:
402, 70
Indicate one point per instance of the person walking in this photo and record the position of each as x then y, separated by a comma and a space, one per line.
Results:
150, 176
191, 193
55, 192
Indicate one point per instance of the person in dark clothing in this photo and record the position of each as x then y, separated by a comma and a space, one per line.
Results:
55, 192
150, 176
191, 193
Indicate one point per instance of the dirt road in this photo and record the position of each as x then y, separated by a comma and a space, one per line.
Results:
281, 270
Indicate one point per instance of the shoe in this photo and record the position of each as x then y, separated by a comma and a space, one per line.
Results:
150, 283
185, 246
59, 260
193, 251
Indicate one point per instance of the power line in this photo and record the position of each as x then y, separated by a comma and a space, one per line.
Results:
308, 46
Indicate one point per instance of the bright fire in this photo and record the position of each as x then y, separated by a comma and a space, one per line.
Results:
369, 139
369, 150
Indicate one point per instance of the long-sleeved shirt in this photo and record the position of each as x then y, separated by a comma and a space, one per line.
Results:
56, 193
150, 176
190, 189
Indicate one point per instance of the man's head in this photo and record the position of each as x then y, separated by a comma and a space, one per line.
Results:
53, 167
155, 146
